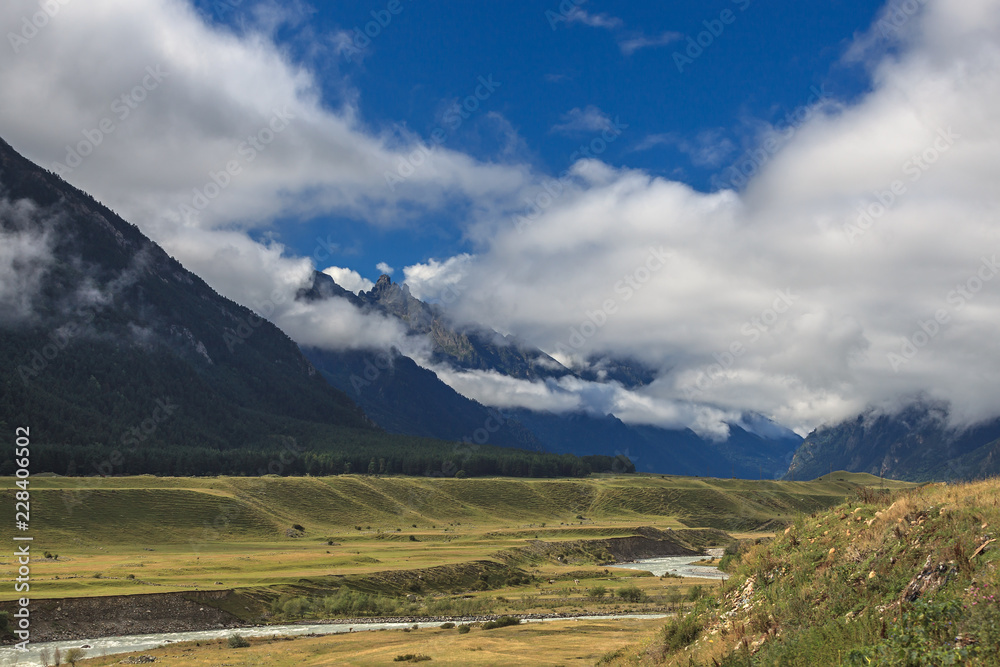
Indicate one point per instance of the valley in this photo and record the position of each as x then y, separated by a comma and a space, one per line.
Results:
148, 554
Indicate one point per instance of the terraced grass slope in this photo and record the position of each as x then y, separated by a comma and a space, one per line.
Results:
129, 510
905, 579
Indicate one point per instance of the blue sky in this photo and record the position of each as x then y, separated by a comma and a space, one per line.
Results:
769, 59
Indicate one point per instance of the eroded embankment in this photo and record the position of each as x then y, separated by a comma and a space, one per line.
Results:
646, 543
113, 615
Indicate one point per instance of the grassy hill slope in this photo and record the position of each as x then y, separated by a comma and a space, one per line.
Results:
114, 510
906, 579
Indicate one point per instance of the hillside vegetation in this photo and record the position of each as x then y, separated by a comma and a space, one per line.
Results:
113, 510
909, 578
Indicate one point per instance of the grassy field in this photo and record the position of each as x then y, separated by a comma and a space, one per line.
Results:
117, 536
551, 643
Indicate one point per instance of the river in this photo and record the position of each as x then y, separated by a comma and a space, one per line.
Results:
679, 565
36, 654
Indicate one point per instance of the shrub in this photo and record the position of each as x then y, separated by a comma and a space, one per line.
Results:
298, 527
237, 641
447, 626
411, 657
681, 631
73, 655
295, 607
464, 628
597, 592
501, 622
632, 594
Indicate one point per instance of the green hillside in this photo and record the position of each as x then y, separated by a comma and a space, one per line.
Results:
904, 579
173, 510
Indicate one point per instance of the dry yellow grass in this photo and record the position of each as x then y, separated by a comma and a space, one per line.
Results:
551, 643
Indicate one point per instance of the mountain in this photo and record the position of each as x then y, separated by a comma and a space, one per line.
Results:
743, 454
102, 332
914, 444
402, 397
463, 347
120, 361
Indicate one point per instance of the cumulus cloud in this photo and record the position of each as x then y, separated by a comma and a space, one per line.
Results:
435, 281
349, 279
856, 267
385, 268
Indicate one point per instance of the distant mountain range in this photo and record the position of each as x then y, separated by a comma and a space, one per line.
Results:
914, 444
402, 397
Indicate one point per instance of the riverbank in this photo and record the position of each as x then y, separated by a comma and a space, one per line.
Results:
39, 653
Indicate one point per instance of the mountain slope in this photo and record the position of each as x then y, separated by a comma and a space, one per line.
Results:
914, 444
667, 451
402, 397
463, 347
106, 333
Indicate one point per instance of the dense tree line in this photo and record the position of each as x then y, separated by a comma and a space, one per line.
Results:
427, 459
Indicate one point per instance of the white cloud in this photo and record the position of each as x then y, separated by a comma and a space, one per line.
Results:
214, 95
349, 279
861, 285
580, 121
25, 257
630, 45
436, 281
385, 268
603, 21
708, 148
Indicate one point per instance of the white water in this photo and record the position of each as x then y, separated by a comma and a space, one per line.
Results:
679, 565
36, 653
